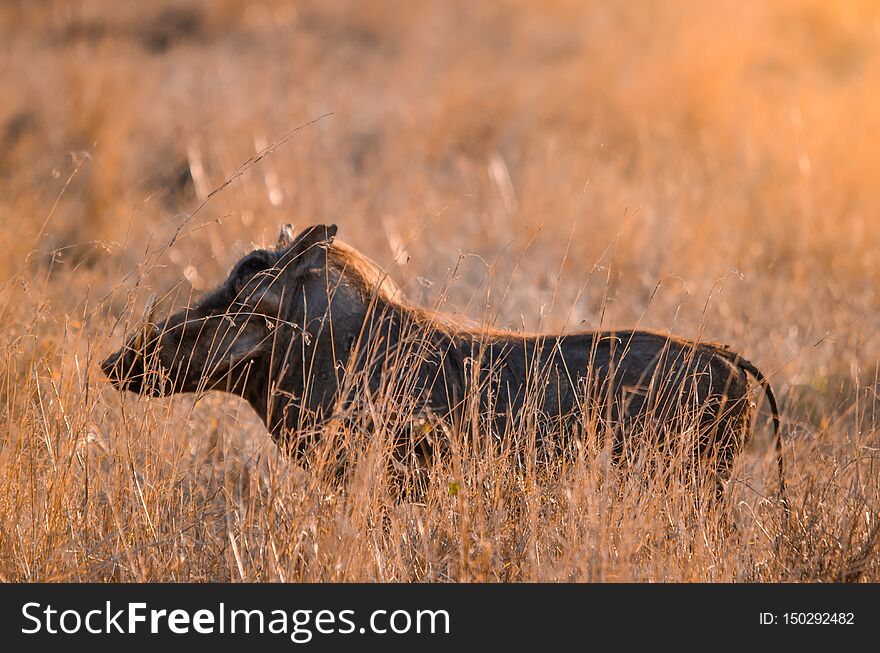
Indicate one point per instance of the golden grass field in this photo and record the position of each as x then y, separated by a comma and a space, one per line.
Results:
708, 169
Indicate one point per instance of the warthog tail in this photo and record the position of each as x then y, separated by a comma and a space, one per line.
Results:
750, 368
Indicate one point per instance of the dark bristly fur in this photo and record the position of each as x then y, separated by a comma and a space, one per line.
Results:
298, 331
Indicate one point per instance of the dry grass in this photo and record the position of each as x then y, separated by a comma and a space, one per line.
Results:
705, 168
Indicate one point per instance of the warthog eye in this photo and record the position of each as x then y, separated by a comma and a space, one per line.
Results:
254, 263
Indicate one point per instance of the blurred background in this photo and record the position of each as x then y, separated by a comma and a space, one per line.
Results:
709, 168
713, 148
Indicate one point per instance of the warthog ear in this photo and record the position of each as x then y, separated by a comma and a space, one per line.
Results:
316, 235
308, 247
285, 238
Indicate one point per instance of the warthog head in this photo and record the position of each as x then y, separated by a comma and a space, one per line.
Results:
233, 333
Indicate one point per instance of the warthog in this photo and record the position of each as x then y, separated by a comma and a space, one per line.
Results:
291, 327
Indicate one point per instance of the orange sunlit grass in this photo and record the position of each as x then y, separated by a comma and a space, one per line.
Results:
707, 169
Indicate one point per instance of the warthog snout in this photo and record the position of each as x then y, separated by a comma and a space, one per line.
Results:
127, 370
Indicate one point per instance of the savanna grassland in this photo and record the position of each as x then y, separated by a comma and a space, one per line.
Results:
709, 169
